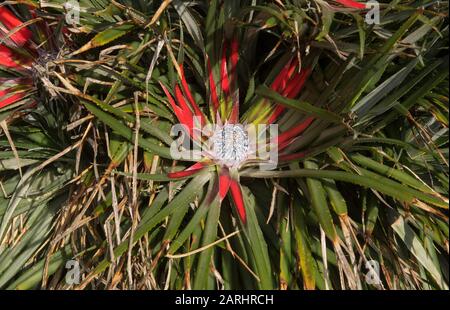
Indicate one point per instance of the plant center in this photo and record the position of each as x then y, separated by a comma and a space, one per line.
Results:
230, 144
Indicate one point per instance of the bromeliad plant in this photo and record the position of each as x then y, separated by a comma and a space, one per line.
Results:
88, 170
230, 144
14, 88
26, 57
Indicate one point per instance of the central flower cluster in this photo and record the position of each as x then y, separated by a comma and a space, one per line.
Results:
230, 144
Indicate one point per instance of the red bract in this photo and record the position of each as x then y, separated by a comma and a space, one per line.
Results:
6, 98
236, 192
352, 4
188, 93
183, 114
9, 59
234, 58
289, 85
20, 36
187, 172
227, 183
213, 90
224, 73
224, 183
285, 138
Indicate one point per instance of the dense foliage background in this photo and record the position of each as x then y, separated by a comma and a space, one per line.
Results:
84, 147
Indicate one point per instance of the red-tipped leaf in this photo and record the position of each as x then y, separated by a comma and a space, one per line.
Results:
8, 58
296, 84
294, 156
234, 117
352, 4
291, 90
285, 137
181, 101
7, 18
213, 90
224, 184
282, 77
191, 100
277, 111
236, 193
224, 71
187, 172
8, 100
185, 117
